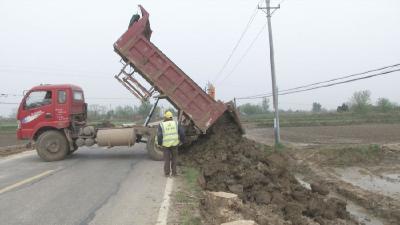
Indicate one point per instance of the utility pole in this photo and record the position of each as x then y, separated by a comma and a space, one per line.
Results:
267, 10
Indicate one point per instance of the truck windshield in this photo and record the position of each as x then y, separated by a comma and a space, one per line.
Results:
38, 98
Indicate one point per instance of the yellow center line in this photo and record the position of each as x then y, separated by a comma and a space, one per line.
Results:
22, 182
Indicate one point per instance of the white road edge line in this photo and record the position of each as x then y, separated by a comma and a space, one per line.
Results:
22, 182
163, 212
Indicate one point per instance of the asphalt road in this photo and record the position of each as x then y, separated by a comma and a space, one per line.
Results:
93, 186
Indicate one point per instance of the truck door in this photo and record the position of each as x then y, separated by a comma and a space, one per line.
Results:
61, 106
37, 108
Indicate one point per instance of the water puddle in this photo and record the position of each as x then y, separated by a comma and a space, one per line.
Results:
358, 212
386, 184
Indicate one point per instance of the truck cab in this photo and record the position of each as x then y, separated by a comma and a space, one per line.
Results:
56, 108
53, 118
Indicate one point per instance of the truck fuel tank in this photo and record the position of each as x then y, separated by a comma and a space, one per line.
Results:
111, 137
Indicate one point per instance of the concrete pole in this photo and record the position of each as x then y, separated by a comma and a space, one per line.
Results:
274, 88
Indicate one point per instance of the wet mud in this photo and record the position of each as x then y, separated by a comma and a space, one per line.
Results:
260, 177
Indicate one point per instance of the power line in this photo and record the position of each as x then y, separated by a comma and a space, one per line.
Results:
50, 69
335, 79
237, 44
6, 95
244, 55
8, 103
55, 73
343, 82
323, 86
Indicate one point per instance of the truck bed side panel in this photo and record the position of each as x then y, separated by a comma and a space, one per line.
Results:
135, 48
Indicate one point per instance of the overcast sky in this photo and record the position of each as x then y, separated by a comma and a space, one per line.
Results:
45, 41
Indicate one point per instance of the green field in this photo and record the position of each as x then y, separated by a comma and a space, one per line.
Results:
8, 126
321, 119
296, 119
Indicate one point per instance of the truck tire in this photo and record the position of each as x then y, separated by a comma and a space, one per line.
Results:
154, 152
52, 146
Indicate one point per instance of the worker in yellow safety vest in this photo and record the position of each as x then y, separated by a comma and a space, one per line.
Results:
169, 136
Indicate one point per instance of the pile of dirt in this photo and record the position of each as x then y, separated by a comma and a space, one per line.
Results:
13, 149
271, 194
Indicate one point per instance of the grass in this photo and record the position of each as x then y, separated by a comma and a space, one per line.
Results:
279, 147
266, 148
188, 197
191, 174
352, 155
8, 126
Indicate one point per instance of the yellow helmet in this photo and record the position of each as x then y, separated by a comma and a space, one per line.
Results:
168, 115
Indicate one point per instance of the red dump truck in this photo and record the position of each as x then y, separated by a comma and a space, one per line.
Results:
54, 117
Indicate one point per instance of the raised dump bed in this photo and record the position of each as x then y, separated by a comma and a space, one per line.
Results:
136, 49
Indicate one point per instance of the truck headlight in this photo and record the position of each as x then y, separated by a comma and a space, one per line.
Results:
18, 124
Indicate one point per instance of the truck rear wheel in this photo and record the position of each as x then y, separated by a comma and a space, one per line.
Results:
52, 146
155, 152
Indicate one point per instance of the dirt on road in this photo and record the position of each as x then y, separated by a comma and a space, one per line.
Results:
270, 192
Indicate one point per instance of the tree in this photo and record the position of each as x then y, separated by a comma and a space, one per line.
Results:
265, 105
343, 108
144, 109
316, 107
124, 112
360, 102
96, 112
250, 109
384, 105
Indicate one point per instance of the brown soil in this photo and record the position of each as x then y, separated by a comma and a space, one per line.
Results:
270, 193
10, 150
10, 145
350, 134
10, 138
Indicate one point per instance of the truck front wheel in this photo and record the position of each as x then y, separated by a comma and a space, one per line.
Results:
52, 146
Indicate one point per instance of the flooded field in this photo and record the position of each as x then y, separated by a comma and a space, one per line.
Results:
359, 164
383, 183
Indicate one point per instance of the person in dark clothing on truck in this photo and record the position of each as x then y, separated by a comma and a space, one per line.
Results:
169, 136
133, 20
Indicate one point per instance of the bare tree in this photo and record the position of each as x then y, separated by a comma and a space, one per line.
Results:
316, 107
360, 102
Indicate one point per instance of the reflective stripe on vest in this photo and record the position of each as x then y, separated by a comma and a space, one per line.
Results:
170, 133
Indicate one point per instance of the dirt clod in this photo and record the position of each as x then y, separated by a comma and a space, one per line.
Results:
270, 193
319, 188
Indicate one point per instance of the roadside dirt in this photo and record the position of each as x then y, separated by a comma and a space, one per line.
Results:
10, 138
270, 192
10, 145
14, 149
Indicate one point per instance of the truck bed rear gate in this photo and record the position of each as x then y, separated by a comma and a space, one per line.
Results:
133, 85
168, 79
